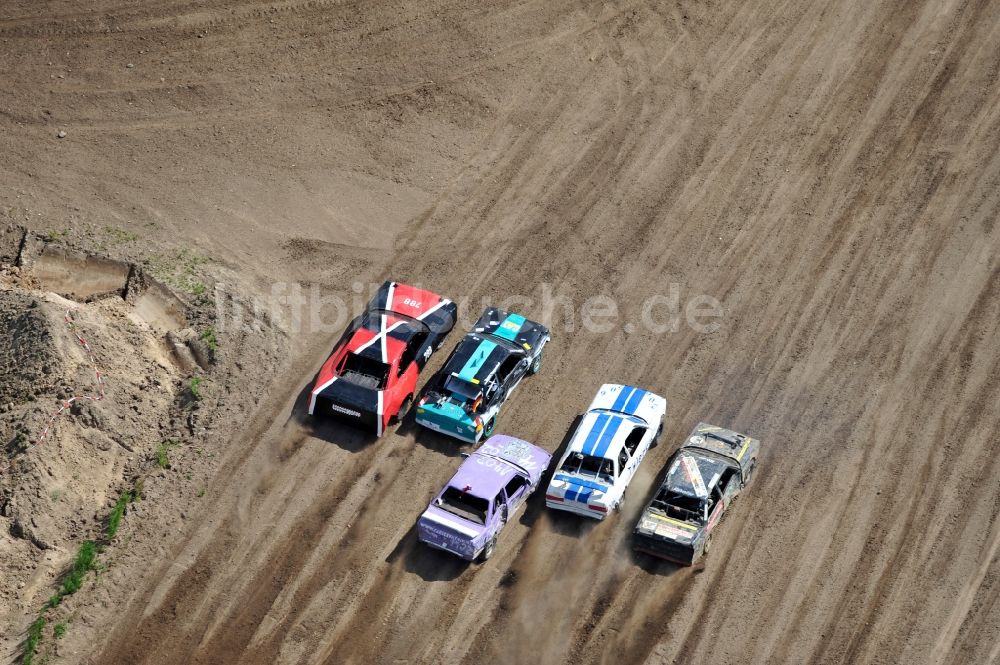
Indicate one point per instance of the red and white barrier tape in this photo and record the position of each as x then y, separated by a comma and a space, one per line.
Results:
93, 397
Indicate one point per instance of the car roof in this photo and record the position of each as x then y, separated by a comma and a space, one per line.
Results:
694, 474
476, 358
386, 345
482, 476
602, 433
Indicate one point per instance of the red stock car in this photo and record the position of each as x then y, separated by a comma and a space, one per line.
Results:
371, 377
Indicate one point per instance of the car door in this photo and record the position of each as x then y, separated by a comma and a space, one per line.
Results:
637, 445
519, 371
626, 467
509, 374
645, 443
499, 513
517, 491
718, 506
731, 484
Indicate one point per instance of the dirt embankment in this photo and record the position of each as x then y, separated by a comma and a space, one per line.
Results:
828, 172
98, 397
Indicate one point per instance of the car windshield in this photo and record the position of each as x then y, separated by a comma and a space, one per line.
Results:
464, 505
680, 506
589, 466
462, 389
365, 372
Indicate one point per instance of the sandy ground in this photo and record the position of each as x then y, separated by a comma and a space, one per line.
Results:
827, 171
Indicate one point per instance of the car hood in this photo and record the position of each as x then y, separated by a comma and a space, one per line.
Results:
525, 455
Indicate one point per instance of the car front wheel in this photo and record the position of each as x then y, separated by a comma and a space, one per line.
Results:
749, 474
536, 364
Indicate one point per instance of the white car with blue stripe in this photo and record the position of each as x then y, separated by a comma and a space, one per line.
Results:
614, 435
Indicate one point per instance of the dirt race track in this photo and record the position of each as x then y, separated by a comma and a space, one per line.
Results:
829, 171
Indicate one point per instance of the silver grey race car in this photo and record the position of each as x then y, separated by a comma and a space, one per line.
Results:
703, 478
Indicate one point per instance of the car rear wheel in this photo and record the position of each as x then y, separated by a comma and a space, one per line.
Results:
656, 437
490, 426
404, 408
708, 545
491, 546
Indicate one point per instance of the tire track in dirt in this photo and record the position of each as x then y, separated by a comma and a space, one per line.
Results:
187, 18
338, 562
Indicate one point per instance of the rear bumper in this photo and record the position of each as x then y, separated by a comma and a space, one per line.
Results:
441, 537
663, 549
352, 415
445, 548
448, 430
576, 508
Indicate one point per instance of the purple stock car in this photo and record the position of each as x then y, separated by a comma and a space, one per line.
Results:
482, 496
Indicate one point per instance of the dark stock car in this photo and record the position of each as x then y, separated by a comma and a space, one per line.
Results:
465, 397
703, 478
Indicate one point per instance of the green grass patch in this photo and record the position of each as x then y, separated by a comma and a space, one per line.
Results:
179, 270
210, 338
195, 387
53, 236
84, 561
31, 642
119, 236
162, 453
115, 518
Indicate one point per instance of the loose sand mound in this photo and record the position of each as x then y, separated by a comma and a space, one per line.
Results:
30, 364
60, 472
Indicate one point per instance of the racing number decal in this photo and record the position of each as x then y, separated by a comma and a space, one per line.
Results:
410, 302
